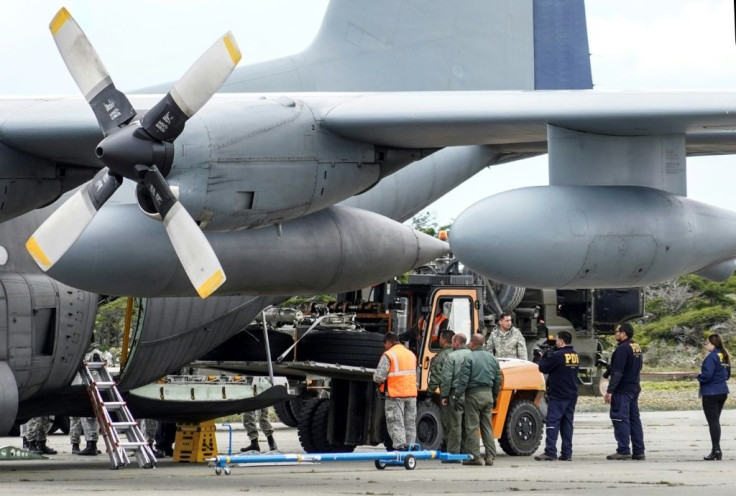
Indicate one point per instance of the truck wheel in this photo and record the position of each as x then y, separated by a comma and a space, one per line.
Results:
285, 415
429, 425
319, 426
523, 429
304, 427
320, 421
319, 410
356, 348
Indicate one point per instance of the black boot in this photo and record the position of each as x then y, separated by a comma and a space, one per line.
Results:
25, 443
43, 449
253, 446
272, 443
75, 449
90, 449
32, 446
715, 454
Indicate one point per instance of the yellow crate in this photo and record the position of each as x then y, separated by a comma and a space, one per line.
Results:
195, 442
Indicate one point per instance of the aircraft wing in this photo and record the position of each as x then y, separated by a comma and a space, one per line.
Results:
515, 121
64, 130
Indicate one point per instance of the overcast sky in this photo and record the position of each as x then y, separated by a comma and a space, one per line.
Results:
634, 44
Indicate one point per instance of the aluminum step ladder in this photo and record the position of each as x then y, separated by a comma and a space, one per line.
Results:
122, 435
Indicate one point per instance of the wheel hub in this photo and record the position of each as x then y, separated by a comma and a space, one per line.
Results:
525, 427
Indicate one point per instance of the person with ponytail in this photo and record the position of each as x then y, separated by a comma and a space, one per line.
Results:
713, 377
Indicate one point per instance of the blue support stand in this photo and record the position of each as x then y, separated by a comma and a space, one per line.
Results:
382, 459
229, 439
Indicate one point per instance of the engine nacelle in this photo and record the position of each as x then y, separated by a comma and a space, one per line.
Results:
592, 236
267, 161
335, 250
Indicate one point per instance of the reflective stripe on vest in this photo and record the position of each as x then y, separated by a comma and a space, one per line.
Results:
402, 373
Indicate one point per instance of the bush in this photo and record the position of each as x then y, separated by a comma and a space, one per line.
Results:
660, 354
686, 327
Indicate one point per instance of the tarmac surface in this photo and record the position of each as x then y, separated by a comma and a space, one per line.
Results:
676, 443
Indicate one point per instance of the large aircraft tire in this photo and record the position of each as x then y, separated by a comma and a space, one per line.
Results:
285, 414
248, 346
429, 425
355, 348
508, 296
523, 429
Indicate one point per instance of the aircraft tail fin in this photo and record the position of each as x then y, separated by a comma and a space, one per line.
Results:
434, 45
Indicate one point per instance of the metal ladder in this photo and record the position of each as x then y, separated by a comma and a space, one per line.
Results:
115, 418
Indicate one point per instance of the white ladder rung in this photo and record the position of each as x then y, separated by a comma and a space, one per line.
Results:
124, 424
131, 444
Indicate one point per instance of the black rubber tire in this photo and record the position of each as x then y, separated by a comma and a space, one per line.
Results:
523, 429
355, 348
304, 427
319, 426
297, 404
429, 425
410, 462
248, 346
285, 414
320, 422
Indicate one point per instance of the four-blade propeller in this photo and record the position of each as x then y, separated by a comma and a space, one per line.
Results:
141, 151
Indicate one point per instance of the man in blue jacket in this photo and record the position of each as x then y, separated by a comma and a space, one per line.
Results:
561, 366
623, 395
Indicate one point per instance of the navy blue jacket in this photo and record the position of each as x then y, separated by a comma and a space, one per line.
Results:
625, 368
561, 368
714, 374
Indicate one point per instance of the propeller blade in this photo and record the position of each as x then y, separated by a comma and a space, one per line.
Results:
110, 106
165, 121
194, 251
59, 232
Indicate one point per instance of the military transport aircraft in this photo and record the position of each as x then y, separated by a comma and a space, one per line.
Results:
299, 171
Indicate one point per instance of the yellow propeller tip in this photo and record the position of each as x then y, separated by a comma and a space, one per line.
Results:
59, 19
211, 284
37, 253
232, 48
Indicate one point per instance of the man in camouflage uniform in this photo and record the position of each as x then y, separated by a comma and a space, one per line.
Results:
455, 409
90, 427
435, 373
480, 380
506, 341
35, 433
396, 374
148, 429
249, 422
